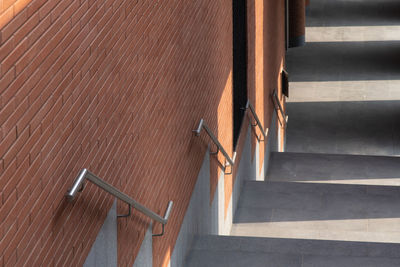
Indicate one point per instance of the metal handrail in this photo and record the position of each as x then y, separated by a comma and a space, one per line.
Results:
258, 123
202, 124
278, 106
84, 174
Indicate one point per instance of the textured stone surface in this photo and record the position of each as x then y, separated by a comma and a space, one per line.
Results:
335, 168
255, 251
319, 211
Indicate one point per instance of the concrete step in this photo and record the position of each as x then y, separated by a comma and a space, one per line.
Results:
209, 258
254, 251
319, 211
349, 127
334, 168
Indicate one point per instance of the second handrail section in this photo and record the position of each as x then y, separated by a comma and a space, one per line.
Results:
258, 123
278, 106
202, 124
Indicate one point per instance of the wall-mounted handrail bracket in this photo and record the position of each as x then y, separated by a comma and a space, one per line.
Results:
229, 161
85, 174
228, 164
126, 215
216, 152
162, 231
258, 123
279, 109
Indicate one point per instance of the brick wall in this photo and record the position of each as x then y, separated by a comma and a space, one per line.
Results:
297, 19
274, 57
265, 59
266, 53
116, 87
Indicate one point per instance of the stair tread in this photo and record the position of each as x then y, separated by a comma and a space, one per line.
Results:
319, 211
347, 127
302, 246
255, 251
234, 259
334, 168
319, 188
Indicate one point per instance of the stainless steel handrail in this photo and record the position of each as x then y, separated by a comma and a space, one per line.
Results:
278, 106
84, 174
202, 124
258, 123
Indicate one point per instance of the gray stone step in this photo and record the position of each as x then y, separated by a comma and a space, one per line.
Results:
209, 258
254, 251
319, 211
333, 168
349, 127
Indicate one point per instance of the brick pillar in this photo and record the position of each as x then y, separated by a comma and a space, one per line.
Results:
297, 23
307, 6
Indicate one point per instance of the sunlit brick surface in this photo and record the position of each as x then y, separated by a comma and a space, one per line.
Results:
116, 87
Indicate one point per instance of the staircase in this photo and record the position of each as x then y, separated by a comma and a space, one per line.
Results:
314, 210
333, 199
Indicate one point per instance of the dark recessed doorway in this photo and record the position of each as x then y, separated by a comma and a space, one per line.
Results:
239, 65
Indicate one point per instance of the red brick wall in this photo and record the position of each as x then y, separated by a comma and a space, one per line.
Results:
265, 59
266, 53
297, 17
274, 57
117, 87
